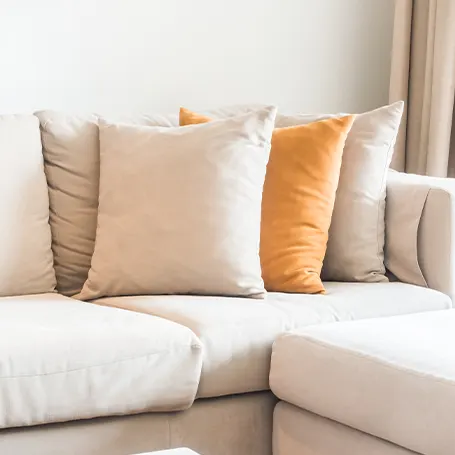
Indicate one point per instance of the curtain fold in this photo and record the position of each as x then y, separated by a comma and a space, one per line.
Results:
423, 75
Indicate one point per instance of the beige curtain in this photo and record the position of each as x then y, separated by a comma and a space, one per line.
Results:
423, 74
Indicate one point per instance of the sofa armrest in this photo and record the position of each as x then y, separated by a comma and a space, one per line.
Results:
420, 230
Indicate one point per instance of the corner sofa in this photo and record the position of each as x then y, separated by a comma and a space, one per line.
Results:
124, 375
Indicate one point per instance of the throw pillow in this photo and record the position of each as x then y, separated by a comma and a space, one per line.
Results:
299, 194
26, 261
180, 208
72, 165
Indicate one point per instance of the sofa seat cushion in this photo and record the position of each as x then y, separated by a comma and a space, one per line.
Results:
352, 301
393, 378
61, 359
238, 333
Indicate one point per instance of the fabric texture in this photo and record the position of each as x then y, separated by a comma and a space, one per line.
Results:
297, 205
26, 262
325, 369
238, 333
298, 432
423, 74
136, 359
179, 209
418, 249
72, 164
355, 251
240, 425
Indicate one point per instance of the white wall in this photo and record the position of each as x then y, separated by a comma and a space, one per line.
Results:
155, 55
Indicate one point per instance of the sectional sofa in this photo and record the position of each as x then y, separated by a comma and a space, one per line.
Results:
124, 375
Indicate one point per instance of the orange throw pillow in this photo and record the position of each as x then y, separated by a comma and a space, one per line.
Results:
297, 201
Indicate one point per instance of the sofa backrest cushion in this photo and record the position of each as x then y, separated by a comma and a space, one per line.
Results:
26, 262
72, 164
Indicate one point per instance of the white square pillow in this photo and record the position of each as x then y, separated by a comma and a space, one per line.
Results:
26, 261
180, 208
355, 249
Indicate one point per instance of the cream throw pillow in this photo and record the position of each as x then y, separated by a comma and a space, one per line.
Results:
180, 208
26, 261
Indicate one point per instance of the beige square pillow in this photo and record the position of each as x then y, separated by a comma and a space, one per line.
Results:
26, 261
72, 165
180, 208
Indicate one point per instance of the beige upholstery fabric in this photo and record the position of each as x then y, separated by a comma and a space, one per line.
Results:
180, 208
71, 154
240, 425
393, 378
61, 359
420, 222
26, 263
298, 432
404, 209
237, 334
355, 250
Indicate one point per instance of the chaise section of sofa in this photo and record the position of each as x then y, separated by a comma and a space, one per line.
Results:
391, 379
